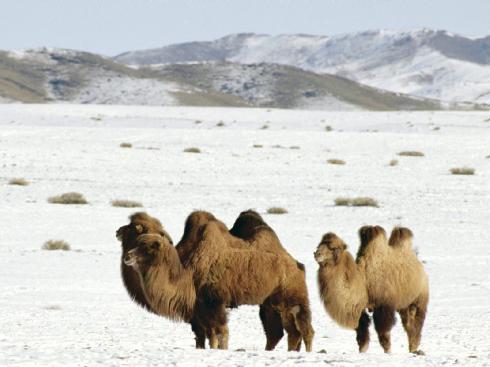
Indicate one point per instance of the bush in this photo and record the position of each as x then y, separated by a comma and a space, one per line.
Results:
198, 122
328, 128
258, 146
276, 210
126, 145
18, 181
336, 161
220, 124
411, 153
295, 147
359, 201
192, 150
462, 171
68, 198
264, 127
126, 204
394, 162
56, 245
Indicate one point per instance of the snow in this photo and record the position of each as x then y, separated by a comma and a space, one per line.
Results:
70, 308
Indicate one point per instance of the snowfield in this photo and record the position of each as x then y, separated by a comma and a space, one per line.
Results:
69, 308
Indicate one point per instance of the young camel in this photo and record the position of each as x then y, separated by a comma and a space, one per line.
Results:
387, 277
225, 276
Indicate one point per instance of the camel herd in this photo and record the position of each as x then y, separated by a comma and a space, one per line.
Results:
213, 268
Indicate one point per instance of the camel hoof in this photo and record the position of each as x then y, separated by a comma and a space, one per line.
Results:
363, 349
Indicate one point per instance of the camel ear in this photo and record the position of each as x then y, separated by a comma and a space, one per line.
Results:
139, 228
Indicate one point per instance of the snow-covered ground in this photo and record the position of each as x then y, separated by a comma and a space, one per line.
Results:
70, 308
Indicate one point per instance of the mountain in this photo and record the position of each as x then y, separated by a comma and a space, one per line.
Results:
424, 63
57, 75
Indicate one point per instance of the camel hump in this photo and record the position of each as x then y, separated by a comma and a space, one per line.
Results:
246, 224
400, 236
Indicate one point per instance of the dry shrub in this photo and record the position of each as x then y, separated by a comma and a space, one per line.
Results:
56, 245
192, 150
276, 210
258, 146
359, 201
393, 162
336, 161
220, 124
264, 127
126, 204
18, 181
462, 171
126, 145
198, 122
68, 198
328, 128
411, 153
296, 147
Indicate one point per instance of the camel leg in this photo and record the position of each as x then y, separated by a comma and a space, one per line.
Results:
362, 332
413, 319
294, 336
384, 320
223, 337
272, 324
213, 338
200, 335
302, 321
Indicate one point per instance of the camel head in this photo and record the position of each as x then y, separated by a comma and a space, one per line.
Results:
147, 251
140, 223
329, 249
400, 236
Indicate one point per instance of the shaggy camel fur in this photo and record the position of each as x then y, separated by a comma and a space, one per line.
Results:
140, 223
343, 287
387, 277
396, 281
227, 276
246, 227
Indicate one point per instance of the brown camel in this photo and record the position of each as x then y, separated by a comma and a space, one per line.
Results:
222, 276
386, 278
142, 223
342, 287
396, 281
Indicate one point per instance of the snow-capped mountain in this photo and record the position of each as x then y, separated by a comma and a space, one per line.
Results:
425, 63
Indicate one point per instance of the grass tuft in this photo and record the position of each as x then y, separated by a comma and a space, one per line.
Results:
126, 204
56, 245
18, 181
126, 145
68, 198
411, 153
359, 201
192, 150
276, 210
393, 162
462, 171
336, 161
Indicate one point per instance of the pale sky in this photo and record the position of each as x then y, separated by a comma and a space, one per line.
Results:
113, 26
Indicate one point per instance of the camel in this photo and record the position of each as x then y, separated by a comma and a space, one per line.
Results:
342, 287
405, 290
220, 275
142, 223
386, 277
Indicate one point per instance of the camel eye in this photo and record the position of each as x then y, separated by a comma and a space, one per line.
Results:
155, 245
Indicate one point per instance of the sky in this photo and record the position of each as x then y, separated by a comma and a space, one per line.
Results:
111, 27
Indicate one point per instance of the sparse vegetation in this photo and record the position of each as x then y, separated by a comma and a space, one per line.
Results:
56, 245
126, 145
359, 201
264, 127
294, 147
411, 153
126, 204
462, 171
328, 128
198, 122
258, 146
220, 124
276, 210
18, 181
393, 162
192, 150
336, 161
68, 198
